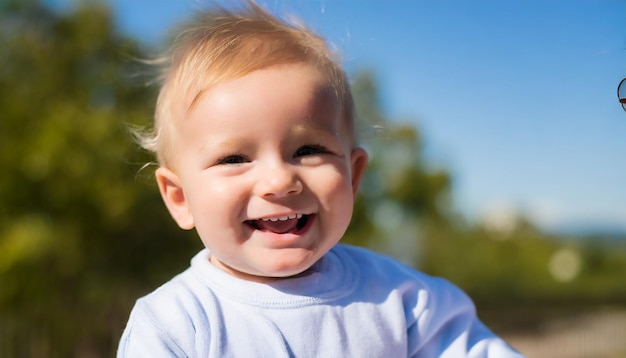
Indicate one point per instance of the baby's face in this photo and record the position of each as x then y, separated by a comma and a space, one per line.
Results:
265, 172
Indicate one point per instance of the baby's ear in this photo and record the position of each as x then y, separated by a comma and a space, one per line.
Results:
174, 197
358, 162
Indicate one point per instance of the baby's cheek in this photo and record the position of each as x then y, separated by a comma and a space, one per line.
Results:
342, 199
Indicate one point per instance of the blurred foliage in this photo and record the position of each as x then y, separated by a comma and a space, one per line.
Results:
83, 232
399, 194
405, 209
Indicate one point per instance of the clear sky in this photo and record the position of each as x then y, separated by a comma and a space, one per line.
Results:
517, 98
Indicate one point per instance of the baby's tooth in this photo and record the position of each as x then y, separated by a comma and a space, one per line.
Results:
282, 218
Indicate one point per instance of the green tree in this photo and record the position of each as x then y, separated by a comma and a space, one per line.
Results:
81, 234
401, 195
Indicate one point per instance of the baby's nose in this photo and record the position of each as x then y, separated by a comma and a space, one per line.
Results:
280, 180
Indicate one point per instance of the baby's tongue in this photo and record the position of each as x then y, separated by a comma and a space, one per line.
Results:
279, 227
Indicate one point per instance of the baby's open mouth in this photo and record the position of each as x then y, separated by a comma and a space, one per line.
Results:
281, 225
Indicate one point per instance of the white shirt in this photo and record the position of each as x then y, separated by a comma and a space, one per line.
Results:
351, 303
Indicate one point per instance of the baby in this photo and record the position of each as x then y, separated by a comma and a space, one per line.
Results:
254, 134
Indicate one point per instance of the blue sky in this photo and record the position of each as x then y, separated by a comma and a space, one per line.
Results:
517, 98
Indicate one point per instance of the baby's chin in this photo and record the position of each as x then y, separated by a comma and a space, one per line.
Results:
268, 274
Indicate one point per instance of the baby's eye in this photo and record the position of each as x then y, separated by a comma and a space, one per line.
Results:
232, 159
310, 150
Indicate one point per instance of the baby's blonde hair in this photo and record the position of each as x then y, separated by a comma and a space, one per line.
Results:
221, 45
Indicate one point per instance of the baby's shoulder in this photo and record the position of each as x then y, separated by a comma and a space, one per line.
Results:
375, 265
175, 304
166, 321
385, 272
